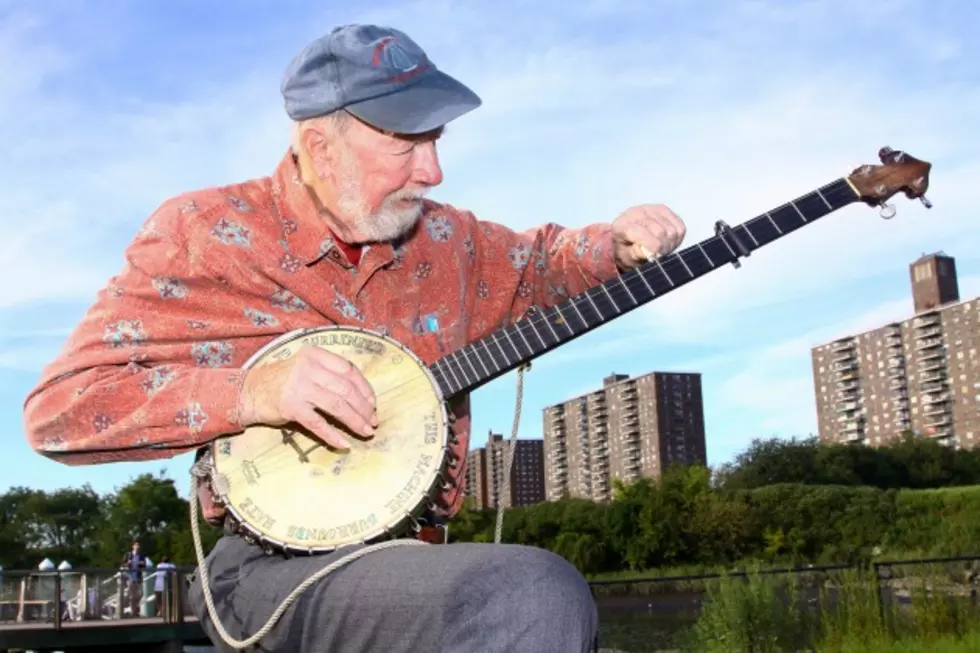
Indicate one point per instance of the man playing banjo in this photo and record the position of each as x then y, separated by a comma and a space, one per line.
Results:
340, 234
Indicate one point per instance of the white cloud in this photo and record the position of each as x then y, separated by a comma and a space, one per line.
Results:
720, 111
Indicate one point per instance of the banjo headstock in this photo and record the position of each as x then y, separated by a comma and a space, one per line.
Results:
898, 173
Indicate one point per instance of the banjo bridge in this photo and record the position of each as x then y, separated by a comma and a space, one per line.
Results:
287, 438
303, 455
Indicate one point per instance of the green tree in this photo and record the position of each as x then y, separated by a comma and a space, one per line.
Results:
148, 508
63, 525
14, 546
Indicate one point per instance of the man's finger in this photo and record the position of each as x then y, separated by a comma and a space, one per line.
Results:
353, 412
651, 236
329, 383
343, 367
322, 429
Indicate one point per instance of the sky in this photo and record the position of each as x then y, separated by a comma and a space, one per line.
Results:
718, 109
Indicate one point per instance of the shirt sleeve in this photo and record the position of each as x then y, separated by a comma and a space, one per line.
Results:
152, 370
538, 267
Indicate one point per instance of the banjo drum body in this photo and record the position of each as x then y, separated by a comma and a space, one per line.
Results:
287, 491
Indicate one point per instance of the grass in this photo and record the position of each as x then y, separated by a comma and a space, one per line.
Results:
761, 614
949, 644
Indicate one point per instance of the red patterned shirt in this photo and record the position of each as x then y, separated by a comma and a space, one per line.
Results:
154, 368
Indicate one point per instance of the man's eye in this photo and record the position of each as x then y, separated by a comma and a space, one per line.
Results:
400, 147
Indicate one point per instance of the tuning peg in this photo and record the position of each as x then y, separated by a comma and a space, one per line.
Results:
925, 201
887, 211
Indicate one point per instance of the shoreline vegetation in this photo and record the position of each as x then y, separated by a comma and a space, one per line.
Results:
846, 612
910, 607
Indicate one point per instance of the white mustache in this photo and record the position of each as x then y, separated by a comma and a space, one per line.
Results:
414, 195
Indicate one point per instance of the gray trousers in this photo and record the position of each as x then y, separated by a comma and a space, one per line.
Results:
447, 598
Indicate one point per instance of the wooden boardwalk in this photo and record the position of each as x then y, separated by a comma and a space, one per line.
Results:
139, 634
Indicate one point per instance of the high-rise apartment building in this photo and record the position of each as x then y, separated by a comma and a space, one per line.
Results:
631, 427
934, 282
920, 374
486, 468
476, 478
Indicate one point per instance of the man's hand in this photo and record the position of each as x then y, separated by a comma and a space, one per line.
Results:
643, 232
312, 383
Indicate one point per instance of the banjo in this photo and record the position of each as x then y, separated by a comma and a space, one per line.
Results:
288, 492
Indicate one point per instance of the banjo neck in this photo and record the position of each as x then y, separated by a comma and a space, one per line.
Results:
543, 330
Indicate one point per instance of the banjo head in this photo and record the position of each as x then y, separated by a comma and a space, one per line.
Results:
287, 489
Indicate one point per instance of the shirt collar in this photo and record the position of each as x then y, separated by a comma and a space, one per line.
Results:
304, 232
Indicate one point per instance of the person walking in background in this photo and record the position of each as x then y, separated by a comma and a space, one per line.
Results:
161, 584
133, 564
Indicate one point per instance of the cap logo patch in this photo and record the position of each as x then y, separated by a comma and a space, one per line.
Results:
391, 55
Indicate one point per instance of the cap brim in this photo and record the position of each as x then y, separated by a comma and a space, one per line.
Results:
433, 101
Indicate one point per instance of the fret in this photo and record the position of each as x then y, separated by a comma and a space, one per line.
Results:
766, 230
551, 328
544, 343
778, 230
462, 370
680, 257
585, 324
706, 255
445, 363
698, 265
604, 305
829, 207
476, 353
664, 272
468, 355
813, 206
507, 359
611, 299
598, 313
564, 320
441, 380
493, 360
802, 217
527, 344
786, 218
729, 248
513, 344
643, 278
457, 372
720, 250
629, 292
745, 228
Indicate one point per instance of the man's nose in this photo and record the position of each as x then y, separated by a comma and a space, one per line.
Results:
427, 170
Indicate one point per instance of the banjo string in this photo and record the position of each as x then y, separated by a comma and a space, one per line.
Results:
202, 470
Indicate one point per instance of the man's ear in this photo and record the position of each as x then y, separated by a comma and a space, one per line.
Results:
316, 145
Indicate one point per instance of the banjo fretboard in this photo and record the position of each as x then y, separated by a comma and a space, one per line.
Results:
543, 330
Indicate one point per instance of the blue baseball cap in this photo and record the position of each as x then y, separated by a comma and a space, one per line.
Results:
379, 75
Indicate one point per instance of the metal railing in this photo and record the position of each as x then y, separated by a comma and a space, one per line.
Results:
73, 595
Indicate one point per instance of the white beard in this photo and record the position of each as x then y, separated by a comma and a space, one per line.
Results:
393, 219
